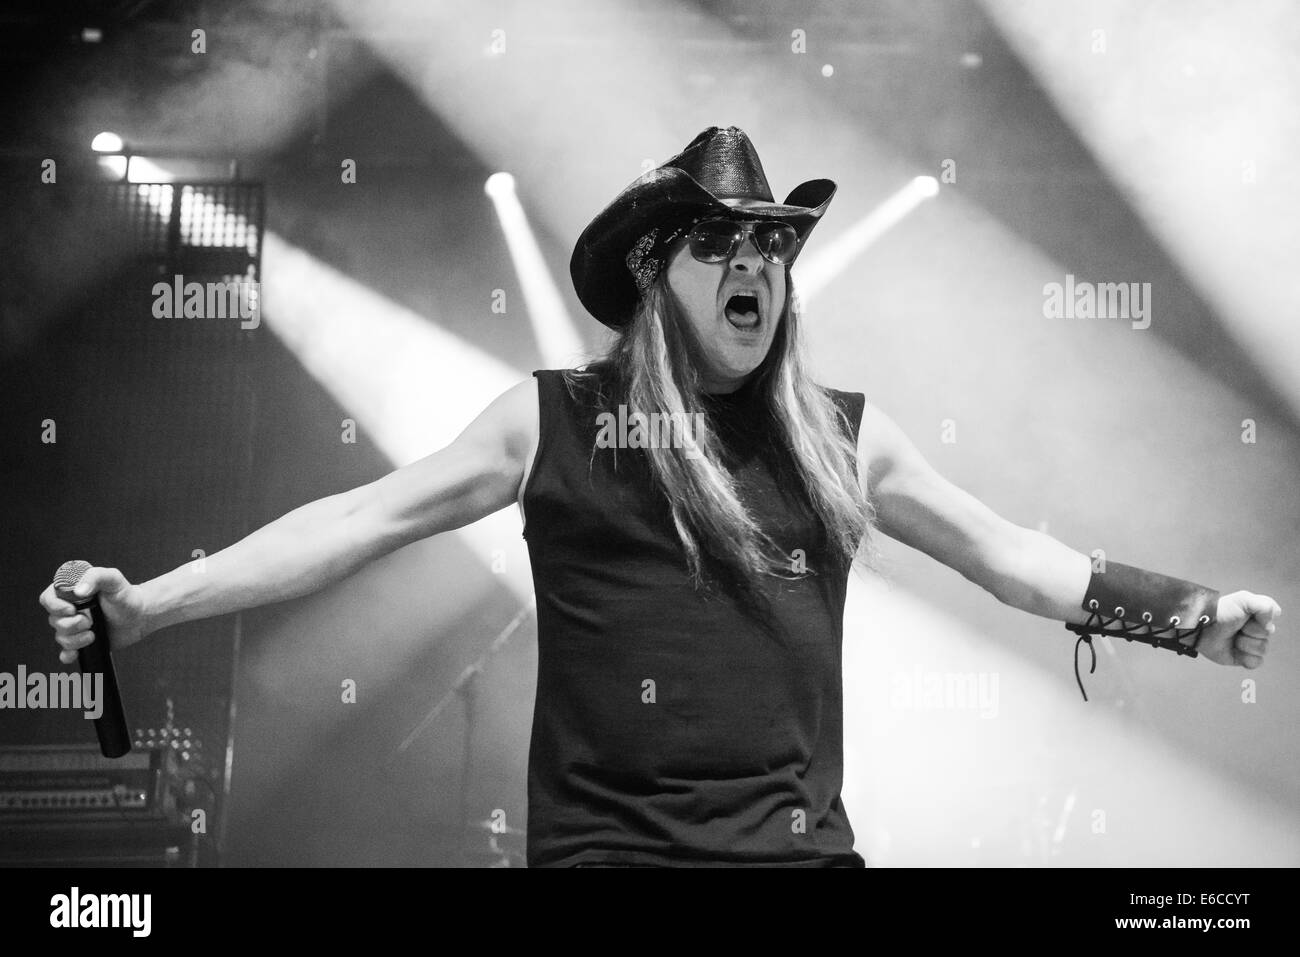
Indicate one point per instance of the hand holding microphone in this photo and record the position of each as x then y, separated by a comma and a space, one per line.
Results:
86, 605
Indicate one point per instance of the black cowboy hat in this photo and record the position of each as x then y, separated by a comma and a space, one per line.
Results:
718, 174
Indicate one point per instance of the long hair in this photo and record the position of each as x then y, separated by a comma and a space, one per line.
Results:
653, 367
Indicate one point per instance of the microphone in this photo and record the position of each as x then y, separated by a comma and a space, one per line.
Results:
95, 658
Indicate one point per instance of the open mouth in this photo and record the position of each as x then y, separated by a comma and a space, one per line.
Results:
742, 311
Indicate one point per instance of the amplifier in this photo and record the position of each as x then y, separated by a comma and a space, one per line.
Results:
51, 782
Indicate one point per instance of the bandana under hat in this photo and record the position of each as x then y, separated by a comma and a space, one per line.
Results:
649, 254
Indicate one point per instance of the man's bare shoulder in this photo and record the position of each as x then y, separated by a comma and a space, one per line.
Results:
520, 398
881, 443
513, 417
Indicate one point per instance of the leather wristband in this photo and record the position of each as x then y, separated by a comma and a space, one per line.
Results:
1139, 605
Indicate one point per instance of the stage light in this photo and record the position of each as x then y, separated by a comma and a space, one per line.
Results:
553, 328
106, 143
817, 271
114, 164
926, 186
142, 170
499, 184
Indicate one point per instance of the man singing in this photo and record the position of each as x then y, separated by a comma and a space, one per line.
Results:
690, 582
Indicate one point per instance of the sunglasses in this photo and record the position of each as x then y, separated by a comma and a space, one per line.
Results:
716, 240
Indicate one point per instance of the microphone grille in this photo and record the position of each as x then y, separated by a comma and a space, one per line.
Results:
70, 573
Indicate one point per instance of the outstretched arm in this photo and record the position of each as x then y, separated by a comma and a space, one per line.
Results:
1021, 567
323, 541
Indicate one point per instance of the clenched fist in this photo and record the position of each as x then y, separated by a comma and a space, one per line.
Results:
120, 601
1239, 636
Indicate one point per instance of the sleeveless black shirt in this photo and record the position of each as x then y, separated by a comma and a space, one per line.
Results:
670, 727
